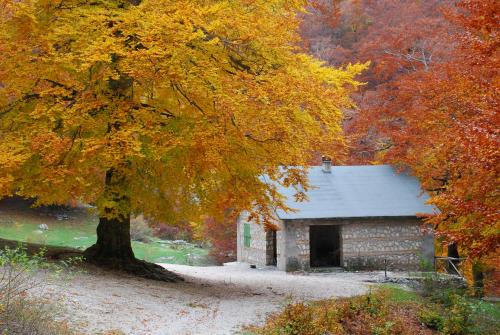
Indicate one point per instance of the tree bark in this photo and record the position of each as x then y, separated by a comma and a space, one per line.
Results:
113, 248
113, 241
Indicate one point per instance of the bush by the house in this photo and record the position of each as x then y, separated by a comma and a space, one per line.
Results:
168, 232
143, 230
221, 234
373, 313
431, 318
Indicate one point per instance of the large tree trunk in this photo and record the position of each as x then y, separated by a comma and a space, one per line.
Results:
113, 248
113, 241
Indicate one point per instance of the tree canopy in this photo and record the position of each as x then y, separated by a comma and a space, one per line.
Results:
189, 102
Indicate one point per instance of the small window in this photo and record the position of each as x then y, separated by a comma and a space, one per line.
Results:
246, 235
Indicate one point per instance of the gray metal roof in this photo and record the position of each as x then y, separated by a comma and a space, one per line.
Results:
358, 191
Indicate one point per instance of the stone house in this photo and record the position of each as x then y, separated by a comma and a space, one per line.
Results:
356, 217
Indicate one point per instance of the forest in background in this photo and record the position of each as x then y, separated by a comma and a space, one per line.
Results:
429, 104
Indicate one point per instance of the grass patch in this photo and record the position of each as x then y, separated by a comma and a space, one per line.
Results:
79, 236
398, 294
80, 233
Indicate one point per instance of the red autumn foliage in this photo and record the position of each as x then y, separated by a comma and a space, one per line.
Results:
170, 232
430, 103
221, 233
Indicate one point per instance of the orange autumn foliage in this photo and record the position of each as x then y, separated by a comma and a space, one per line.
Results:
430, 103
441, 121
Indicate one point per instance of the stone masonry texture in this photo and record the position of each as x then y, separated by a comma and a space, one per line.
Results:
397, 243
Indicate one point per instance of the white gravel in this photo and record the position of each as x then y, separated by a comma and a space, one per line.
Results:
212, 300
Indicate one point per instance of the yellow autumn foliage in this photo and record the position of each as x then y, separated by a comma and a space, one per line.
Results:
191, 101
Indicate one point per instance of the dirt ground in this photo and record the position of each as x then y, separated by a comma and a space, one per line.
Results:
212, 300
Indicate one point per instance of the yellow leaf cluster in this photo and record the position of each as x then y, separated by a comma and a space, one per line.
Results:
191, 101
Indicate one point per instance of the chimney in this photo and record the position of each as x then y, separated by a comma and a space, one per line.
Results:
326, 164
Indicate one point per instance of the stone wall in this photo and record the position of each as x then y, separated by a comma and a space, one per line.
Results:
396, 243
297, 245
281, 241
365, 243
256, 254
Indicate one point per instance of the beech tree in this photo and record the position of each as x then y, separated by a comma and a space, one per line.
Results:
171, 108
441, 121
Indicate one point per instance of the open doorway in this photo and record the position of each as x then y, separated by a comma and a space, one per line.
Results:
271, 252
324, 246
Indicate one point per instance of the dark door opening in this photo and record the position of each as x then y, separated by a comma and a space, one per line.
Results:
271, 250
324, 246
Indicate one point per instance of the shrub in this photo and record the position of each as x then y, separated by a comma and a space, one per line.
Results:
374, 313
425, 264
32, 316
168, 232
385, 311
21, 313
16, 277
221, 234
431, 319
484, 318
457, 321
297, 319
460, 313
385, 329
439, 288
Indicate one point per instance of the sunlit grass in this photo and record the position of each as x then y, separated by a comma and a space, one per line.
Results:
397, 293
82, 235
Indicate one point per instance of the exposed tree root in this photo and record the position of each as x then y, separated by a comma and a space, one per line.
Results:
151, 271
133, 266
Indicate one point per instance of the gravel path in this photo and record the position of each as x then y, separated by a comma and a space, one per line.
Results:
212, 300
